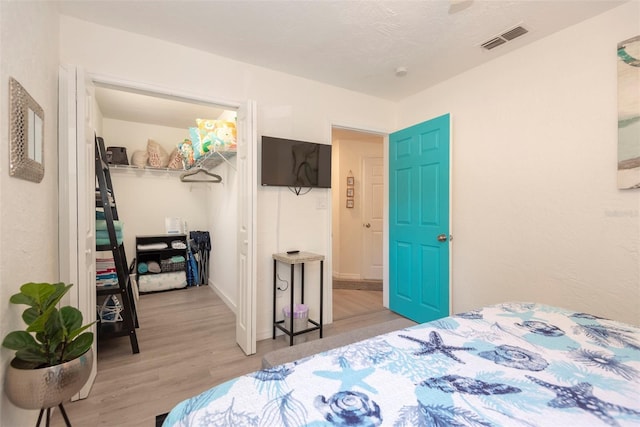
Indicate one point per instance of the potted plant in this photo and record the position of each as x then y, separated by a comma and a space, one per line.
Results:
53, 358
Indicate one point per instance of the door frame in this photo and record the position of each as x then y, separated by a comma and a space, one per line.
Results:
165, 92
72, 244
385, 223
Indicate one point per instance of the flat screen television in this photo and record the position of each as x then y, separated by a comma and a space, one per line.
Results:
291, 163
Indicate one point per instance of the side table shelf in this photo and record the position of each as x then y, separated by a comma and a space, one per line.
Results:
292, 259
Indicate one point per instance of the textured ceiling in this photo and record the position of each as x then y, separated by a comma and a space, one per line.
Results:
355, 45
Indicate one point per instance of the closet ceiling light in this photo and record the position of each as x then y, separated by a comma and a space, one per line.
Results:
401, 71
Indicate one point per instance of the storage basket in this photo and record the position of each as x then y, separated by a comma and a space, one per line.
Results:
167, 265
300, 319
110, 310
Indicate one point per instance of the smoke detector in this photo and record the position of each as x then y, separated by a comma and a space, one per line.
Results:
505, 37
401, 71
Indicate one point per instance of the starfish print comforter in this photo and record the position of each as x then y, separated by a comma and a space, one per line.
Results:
512, 364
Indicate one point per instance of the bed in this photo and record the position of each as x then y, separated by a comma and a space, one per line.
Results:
512, 364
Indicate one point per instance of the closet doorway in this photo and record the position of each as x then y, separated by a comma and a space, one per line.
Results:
223, 209
150, 198
358, 184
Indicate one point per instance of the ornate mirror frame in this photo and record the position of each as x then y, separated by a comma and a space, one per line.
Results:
26, 136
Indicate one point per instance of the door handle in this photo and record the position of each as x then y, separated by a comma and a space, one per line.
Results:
368, 225
442, 237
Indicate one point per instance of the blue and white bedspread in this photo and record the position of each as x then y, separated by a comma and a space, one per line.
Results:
514, 364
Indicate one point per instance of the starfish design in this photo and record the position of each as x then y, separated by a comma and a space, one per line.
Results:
581, 396
349, 377
436, 345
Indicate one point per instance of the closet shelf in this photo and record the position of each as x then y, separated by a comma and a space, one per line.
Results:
210, 161
214, 158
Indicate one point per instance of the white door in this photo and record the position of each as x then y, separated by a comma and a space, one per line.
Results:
247, 193
372, 217
77, 197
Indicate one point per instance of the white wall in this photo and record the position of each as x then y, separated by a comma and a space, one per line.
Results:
28, 211
145, 197
287, 106
536, 212
134, 135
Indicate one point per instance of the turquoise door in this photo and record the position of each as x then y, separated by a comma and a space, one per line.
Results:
419, 220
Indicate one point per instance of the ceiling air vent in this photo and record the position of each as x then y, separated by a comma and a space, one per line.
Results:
495, 42
513, 33
505, 37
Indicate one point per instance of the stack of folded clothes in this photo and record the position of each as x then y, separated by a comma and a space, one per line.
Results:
106, 274
102, 234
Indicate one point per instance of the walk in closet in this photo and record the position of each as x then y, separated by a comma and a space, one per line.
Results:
156, 201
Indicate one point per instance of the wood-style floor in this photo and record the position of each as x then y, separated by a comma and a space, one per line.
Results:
187, 345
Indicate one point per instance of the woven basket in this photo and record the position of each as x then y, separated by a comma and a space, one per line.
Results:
166, 265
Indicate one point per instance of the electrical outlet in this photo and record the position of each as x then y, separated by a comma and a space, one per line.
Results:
321, 203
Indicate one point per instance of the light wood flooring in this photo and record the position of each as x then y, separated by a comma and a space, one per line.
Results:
187, 345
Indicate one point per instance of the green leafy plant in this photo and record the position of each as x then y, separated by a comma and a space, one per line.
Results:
53, 336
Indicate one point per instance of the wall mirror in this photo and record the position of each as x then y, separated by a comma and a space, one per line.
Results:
26, 139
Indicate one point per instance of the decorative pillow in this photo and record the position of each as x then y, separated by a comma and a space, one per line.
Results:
175, 160
186, 152
197, 143
139, 158
158, 156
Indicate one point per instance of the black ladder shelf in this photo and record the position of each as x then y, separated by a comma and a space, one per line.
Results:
106, 200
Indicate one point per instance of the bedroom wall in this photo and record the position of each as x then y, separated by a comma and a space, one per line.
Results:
28, 210
536, 212
287, 106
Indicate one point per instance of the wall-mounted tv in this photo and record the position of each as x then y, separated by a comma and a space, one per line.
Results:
291, 163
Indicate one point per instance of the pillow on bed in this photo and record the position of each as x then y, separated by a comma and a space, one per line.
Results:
158, 156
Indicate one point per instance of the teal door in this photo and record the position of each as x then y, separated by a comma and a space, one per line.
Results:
419, 220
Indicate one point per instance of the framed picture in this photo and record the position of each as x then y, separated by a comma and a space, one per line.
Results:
350, 192
350, 203
629, 113
350, 181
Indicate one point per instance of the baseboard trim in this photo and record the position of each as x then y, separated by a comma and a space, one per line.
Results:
363, 285
223, 297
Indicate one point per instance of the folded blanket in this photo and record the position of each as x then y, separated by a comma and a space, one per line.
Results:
177, 258
154, 267
101, 241
101, 224
142, 267
178, 244
104, 234
152, 246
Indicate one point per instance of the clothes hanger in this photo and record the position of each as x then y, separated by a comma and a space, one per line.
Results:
190, 176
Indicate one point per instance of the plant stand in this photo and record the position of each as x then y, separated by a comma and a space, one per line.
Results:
64, 415
46, 388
